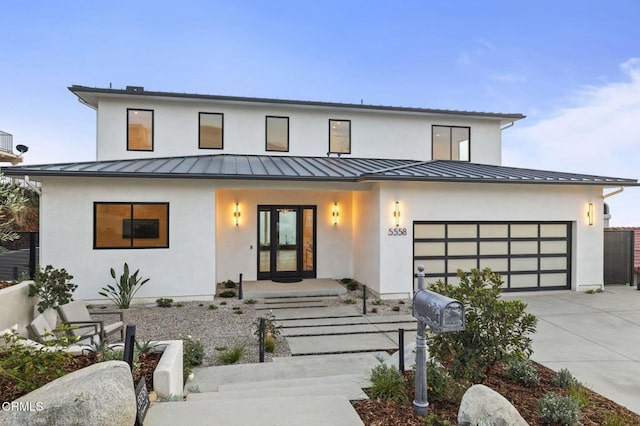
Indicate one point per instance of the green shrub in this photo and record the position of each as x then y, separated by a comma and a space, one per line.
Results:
396, 309
53, 287
349, 302
441, 386
212, 307
387, 383
377, 302
400, 302
614, 420
228, 294
523, 372
179, 305
579, 394
564, 379
229, 284
269, 343
374, 310
192, 355
435, 420
497, 331
270, 326
346, 280
232, 355
250, 302
223, 303
237, 311
126, 287
31, 368
560, 410
164, 302
352, 286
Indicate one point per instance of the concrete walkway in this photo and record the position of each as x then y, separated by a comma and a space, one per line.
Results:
595, 336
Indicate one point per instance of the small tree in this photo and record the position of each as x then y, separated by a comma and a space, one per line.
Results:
497, 331
12, 201
53, 287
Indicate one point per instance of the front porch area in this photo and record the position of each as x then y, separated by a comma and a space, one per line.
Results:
266, 289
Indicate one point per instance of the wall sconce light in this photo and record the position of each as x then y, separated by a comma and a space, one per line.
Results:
335, 214
396, 213
590, 214
237, 214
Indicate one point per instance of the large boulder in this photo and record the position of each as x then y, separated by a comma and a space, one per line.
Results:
101, 394
482, 405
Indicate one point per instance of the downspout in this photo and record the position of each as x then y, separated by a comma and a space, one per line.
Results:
501, 130
507, 126
611, 194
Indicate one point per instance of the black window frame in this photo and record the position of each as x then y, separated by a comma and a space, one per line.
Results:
153, 130
451, 141
331, 120
132, 204
200, 114
266, 133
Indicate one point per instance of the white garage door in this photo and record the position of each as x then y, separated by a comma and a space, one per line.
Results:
528, 255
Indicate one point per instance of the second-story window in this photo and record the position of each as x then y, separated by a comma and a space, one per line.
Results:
210, 133
340, 136
277, 133
450, 143
139, 129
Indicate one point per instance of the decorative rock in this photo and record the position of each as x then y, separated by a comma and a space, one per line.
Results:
101, 394
482, 405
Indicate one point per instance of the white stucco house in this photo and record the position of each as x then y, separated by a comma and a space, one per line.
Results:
195, 189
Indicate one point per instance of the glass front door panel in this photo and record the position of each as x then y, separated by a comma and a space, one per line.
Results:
287, 245
264, 231
307, 240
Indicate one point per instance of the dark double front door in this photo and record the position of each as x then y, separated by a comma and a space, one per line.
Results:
286, 242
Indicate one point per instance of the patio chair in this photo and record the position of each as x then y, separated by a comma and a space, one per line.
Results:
76, 313
44, 332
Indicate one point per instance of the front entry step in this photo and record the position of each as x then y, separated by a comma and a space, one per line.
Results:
346, 343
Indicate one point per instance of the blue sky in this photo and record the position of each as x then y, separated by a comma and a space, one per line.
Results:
573, 67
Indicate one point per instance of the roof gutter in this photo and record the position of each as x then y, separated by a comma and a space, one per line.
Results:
507, 126
611, 194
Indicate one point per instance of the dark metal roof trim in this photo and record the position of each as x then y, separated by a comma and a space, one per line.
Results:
328, 169
79, 90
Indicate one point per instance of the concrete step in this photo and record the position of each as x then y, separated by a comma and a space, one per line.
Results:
360, 380
296, 299
333, 357
359, 319
371, 342
208, 379
290, 305
348, 329
306, 313
281, 411
350, 390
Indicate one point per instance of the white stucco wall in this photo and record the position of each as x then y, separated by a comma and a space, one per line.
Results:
478, 202
374, 134
237, 249
186, 268
366, 241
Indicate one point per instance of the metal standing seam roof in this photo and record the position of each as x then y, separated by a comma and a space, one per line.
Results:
346, 169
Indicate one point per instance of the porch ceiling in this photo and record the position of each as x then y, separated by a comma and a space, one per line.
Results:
261, 167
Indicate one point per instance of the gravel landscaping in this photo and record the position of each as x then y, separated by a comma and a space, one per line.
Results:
221, 327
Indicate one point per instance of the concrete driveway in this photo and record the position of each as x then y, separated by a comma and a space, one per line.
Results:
595, 336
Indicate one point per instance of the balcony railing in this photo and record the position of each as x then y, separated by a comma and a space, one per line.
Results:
6, 142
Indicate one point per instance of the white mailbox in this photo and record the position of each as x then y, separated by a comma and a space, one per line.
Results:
443, 314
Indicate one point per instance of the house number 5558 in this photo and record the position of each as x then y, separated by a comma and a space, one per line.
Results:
396, 232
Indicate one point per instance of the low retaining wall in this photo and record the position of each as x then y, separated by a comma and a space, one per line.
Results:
167, 377
16, 307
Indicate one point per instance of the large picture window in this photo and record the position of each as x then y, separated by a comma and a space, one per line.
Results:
130, 225
210, 134
277, 133
340, 136
450, 143
139, 130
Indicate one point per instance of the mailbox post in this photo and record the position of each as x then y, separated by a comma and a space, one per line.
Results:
443, 315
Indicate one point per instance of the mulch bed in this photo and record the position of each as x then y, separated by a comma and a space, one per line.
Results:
524, 398
147, 365
5, 284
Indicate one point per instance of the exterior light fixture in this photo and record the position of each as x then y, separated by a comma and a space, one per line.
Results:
237, 214
590, 214
335, 214
396, 213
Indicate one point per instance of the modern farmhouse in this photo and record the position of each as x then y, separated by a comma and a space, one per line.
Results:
195, 189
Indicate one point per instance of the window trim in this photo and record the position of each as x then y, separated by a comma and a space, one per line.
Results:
200, 113
153, 130
131, 206
339, 120
266, 127
450, 141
